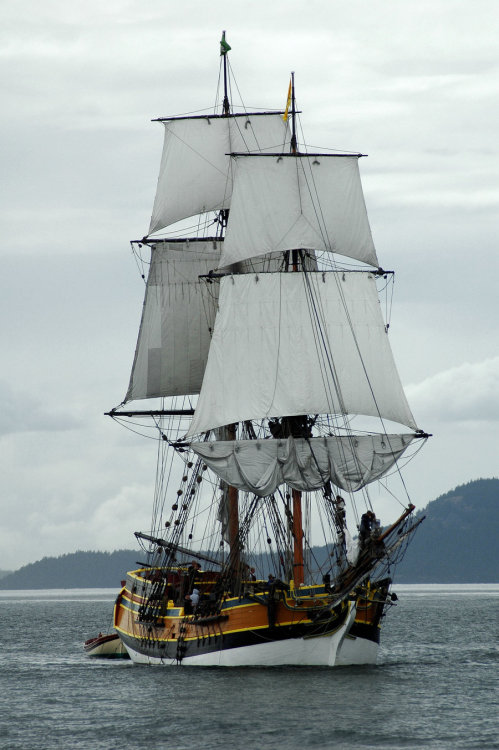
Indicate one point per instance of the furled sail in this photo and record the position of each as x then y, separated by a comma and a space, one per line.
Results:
286, 344
195, 172
177, 318
261, 466
276, 206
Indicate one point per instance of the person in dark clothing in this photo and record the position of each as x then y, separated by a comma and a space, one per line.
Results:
366, 526
339, 511
193, 573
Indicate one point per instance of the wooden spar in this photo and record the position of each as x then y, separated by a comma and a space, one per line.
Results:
233, 502
176, 547
298, 569
298, 573
151, 413
404, 515
233, 497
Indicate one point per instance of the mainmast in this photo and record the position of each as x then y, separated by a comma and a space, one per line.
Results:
293, 116
233, 526
298, 567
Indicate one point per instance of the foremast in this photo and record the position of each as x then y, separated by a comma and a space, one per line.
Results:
224, 48
223, 215
179, 311
232, 492
195, 180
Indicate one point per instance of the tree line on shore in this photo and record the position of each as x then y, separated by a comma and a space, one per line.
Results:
456, 543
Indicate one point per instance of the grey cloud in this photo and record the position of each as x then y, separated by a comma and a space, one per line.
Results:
469, 392
21, 412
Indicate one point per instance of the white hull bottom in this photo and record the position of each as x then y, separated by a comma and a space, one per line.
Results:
328, 651
356, 651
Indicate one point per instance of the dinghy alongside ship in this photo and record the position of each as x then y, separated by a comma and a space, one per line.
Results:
266, 344
106, 646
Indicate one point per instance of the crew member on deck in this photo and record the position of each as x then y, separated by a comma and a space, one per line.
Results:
193, 572
367, 522
191, 602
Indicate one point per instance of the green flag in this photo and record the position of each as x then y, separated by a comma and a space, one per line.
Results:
224, 47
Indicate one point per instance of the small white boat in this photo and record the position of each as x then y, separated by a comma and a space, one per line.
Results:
108, 646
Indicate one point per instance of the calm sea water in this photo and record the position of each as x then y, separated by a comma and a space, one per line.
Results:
435, 685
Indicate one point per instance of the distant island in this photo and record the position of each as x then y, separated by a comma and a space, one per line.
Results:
456, 543
76, 570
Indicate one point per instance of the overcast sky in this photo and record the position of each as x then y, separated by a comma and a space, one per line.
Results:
414, 84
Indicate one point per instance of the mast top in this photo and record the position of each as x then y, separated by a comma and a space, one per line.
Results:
224, 48
293, 144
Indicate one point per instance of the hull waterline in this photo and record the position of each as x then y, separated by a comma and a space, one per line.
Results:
312, 651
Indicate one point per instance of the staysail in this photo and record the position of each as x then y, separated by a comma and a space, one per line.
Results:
299, 343
306, 464
177, 318
286, 201
196, 170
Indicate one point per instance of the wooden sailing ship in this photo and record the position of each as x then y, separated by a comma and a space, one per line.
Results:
263, 339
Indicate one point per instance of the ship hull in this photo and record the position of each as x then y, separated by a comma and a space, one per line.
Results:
251, 630
356, 651
312, 651
361, 644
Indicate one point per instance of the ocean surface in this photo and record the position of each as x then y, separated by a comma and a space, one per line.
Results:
435, 686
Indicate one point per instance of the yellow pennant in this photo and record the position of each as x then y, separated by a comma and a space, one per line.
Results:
288, 102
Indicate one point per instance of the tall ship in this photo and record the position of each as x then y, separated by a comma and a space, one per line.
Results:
272, 392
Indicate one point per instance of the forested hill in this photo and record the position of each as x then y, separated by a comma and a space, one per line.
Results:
456, 543
74, 571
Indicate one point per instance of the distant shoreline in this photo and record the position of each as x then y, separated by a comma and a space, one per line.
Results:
435, 588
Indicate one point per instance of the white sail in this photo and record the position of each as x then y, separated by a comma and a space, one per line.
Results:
261, 466
195, 173
290, 202
177, 318
286, 344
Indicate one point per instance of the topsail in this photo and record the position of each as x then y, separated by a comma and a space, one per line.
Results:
310, 201
177, 318
196, 172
